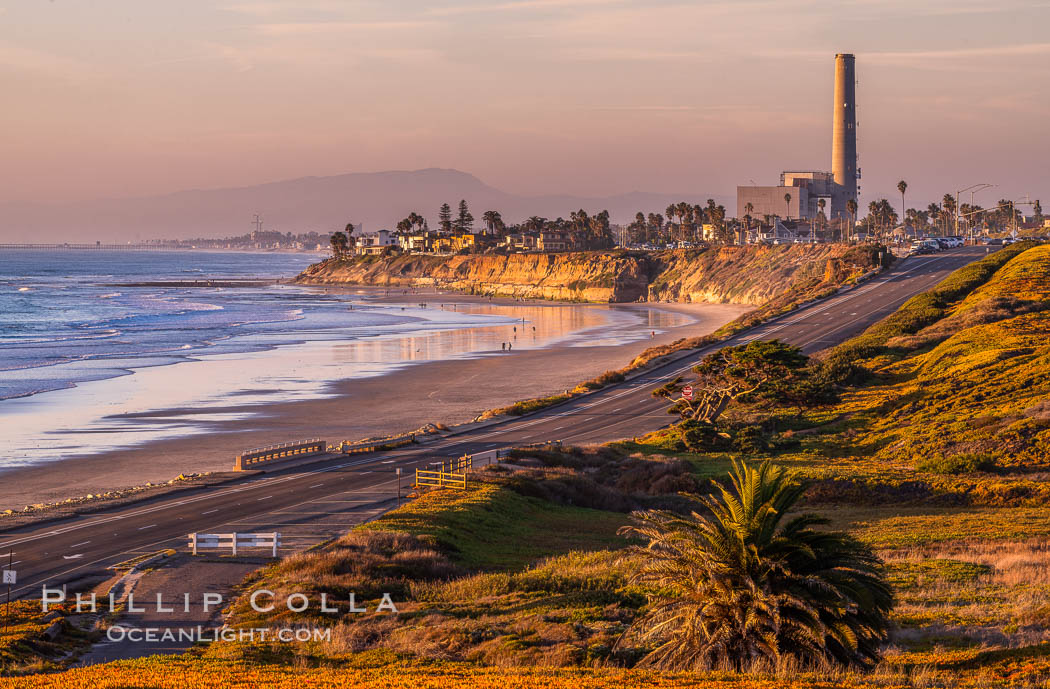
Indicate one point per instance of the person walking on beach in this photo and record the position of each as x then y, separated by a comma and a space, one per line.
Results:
652, 335
503, 345
510, 346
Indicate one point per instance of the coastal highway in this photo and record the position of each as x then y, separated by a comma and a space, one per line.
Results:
56, 552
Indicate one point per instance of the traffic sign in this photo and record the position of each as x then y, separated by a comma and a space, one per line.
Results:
687, 392
10, 577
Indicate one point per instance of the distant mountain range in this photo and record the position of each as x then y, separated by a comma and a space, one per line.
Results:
374, 199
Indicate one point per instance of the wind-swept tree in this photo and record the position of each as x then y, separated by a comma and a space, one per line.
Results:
749, 585
787, 206
760, 371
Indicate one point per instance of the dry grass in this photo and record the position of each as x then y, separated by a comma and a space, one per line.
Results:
970, 592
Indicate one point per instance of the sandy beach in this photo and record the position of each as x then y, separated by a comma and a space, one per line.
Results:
449, 391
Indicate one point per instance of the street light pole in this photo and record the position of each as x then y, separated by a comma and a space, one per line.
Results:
972, 188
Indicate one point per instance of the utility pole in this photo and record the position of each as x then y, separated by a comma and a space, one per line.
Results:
399, 486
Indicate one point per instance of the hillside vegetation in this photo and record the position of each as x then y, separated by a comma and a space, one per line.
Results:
740, 275
932, 452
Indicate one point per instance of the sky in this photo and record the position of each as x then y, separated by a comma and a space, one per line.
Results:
118, 98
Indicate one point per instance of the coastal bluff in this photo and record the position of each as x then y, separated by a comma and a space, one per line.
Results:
750, 275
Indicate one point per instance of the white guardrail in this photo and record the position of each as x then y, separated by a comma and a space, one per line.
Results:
252, 459
234, 541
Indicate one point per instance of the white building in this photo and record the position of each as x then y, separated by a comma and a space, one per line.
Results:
375, 243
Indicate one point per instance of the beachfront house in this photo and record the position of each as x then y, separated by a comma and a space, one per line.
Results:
520, 242
553, 241
375, 242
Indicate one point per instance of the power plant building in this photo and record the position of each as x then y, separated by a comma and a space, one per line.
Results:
799, 193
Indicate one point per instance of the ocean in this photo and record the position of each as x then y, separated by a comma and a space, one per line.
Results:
88, 365
65, 321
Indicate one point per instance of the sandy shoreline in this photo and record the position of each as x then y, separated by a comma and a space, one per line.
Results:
451, 392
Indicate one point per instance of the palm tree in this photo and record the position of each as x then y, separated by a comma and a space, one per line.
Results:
747, 585
749, 208
787, 205
821, 204
935, 212
902, 187
493, 222
948, 204
851, 208
535, 223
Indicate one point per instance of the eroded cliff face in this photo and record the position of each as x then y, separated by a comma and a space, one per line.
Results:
585, 276
739, 275
755, 274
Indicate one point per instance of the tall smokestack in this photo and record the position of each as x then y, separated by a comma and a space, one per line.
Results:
844, 129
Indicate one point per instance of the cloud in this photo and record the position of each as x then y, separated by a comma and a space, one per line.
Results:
917, 56
277, 7
301, 28
42, 63
523, 5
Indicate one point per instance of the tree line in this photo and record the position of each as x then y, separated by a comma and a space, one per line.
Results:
582, 230
684, 222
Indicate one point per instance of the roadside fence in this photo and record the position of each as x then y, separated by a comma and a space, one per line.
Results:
253, 459
235, 541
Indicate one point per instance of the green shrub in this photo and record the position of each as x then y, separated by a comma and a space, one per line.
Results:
751, 440
957, 464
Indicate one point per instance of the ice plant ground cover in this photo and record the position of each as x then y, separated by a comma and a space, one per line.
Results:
935, 456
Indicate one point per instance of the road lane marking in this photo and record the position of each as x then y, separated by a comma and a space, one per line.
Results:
143, 528
210, 511
79, 544
899, 285
261, 499
317, 485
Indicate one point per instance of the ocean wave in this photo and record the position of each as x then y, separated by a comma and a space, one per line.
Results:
29, 392
100, 335
111, 295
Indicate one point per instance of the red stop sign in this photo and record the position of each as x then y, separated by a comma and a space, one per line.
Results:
687, 392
